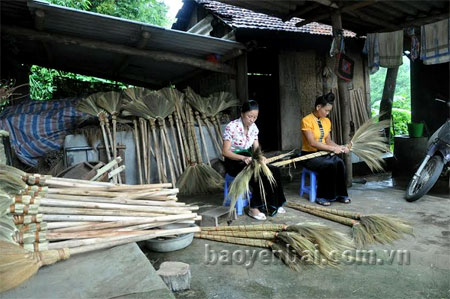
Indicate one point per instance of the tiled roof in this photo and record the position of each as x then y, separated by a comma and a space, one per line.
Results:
244, 18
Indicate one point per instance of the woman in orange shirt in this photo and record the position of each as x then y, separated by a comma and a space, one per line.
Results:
330, 169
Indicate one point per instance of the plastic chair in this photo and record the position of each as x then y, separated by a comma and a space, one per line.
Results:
312, 188
242, 200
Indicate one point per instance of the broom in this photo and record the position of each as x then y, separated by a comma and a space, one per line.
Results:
369, 228
367, 143
253, 170
17, 265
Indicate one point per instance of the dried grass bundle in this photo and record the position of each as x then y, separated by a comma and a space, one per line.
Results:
254, 170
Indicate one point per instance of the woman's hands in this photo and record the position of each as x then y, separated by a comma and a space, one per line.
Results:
341, 149
247, 160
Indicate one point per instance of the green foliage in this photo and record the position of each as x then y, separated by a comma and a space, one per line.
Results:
44, 82
147, 11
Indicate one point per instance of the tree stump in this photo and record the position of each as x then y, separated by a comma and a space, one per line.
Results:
176, 275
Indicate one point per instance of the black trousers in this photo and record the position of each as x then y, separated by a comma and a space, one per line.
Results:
331, 175
274, 195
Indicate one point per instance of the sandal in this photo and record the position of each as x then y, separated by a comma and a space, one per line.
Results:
259, 216
343, 199
323, 202
281, 210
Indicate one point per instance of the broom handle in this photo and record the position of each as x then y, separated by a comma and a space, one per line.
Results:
171, 151
301, 158
105, 139
183, 130
115, 241
113, 206
161, 175
110, 188
191, 137
181, 140
118, 218
116, 179
233, 240
106, 225
196, 145
67, 224
169, 203
92, 234
342, 213
106, 167
200, 128
273, 159
177, 146
335, 218
138, 150
206, 121
145, 145
246, 228
128, 194
266, 235
217, 131
96, 212
168, 150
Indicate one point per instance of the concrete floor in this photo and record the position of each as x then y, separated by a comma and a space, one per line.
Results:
426, 276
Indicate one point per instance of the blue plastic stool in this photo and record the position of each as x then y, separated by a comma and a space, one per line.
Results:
312, 188
242, 200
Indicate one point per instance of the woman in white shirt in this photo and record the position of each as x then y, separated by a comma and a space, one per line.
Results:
239, 138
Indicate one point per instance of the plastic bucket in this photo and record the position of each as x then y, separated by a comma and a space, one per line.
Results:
415, 129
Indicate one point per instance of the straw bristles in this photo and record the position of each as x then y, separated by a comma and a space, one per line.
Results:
89, 105
158, 105
220, 101
111, 101
12, 169
369, 144
287, 256
385, 229
11, 183
301, 245
254, 170
196, 101
199, 178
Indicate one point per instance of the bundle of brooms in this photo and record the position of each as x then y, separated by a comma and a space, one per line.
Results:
79, 217
296, 245
366, 229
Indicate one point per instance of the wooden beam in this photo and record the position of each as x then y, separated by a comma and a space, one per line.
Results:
402, 6
344, 97
373, 20
39, 19
116, 48
344, 9
301, 11
145, 36
425, 20
327, 3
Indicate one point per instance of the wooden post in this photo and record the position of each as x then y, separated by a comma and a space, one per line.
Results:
344, 106
241, 78
388, 96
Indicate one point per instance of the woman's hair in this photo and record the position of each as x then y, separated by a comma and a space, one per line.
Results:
249, 106
325, 99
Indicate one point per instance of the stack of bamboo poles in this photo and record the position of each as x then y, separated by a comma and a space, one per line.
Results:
367, 229
303, 243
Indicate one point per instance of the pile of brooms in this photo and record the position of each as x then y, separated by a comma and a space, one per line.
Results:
68, 216
296, 245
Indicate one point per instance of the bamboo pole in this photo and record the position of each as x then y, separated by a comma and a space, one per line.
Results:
161, 171
246, 228
322, 214
170, 148
206, 121
113, 206
301, 158
171, 203
194, 135
200, 128
348, 214
180, 140
138, 150
177, 147
49, 217
109, 225
66, 224
167, 156
266, 235
238, 241
96, 212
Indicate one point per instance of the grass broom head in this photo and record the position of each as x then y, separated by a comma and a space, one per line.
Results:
196, 101
253, 170
5, 202
11, 183
158, 105
17, 264
111, 101
289, 257
199, 178
171, 94
361, 237
7, 228
385, 229
89, 104
220, 101
136, 108
369, 144
18, 172
328, 241
301, 245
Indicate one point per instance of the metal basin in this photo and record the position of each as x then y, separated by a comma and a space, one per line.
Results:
171, 244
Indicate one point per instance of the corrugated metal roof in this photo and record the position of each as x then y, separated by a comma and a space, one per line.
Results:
92, 26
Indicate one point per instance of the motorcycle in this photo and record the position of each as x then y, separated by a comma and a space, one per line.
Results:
437, 157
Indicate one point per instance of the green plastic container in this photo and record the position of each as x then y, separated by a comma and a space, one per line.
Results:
415, 129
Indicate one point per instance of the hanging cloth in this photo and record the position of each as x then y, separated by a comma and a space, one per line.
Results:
391, 48
435, 47
415, 44
372, 50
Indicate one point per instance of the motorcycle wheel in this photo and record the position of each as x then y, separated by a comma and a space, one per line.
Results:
419, 186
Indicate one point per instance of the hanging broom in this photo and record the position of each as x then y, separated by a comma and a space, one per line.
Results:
368, 144
219, 102
197, 177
